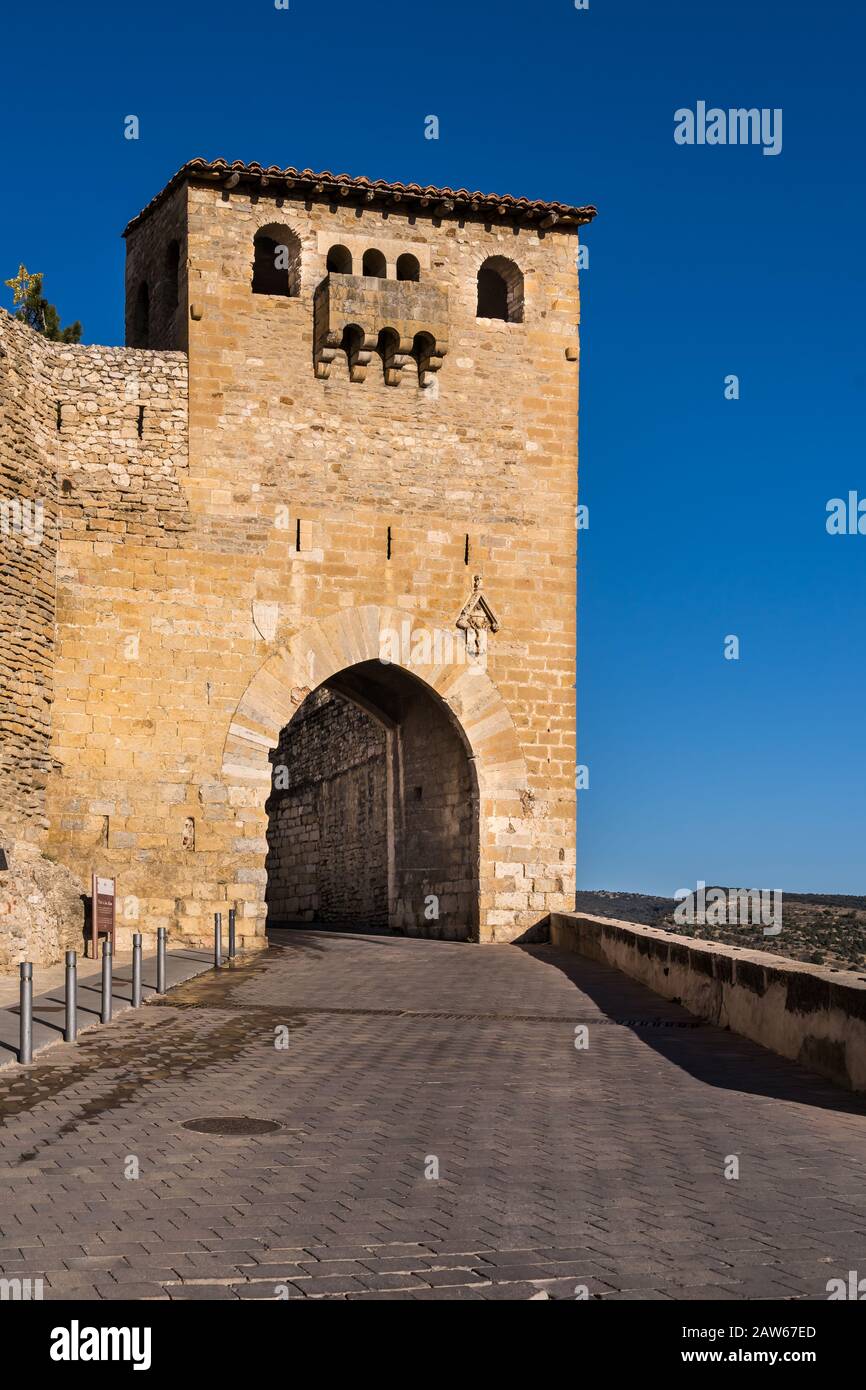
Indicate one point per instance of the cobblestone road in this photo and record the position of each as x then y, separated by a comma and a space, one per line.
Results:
558, 1167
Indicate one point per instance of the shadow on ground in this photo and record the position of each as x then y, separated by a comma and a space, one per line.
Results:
711, 1054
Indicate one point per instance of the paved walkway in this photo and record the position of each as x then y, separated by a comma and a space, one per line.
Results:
49, 995
558, 1168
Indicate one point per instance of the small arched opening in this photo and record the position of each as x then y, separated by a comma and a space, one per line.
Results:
277, 261
340, 260
500, 290
408, 267
375, 265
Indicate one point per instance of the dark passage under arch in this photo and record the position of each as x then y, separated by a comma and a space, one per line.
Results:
373, 812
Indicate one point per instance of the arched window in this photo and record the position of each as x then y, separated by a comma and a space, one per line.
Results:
172, 275
408, 267
500, 290
277, 261
340, 260
375, 265
141, 317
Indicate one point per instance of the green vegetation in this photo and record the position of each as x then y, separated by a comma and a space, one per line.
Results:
34, 309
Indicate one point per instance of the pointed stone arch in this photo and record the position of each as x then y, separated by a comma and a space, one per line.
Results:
322, 650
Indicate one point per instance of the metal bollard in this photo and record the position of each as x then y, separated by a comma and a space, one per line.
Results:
160, 960
25, 1013
232, 917
136, 970
106, 980
70, 1033
217, 939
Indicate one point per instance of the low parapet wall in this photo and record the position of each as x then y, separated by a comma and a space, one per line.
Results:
814, 1016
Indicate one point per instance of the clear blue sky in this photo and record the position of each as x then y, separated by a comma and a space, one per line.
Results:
707, 516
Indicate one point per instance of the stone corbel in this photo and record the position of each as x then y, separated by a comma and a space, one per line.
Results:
396, 355
326, 351
359, 348
430, 361
401, 321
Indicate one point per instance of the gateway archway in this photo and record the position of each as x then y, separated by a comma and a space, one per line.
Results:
374, 810
509, 822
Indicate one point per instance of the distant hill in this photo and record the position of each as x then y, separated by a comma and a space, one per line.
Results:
821, 928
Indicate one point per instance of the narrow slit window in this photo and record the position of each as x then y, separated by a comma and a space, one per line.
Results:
172, 276
141, 318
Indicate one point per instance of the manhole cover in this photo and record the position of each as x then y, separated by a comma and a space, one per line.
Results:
231, 1125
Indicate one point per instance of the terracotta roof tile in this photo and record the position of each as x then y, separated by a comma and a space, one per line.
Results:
371, 190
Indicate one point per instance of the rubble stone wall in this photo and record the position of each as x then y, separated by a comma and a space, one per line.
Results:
93, 450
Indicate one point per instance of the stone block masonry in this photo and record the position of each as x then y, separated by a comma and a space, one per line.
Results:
328, 834
93, 446
244, 499
28, 559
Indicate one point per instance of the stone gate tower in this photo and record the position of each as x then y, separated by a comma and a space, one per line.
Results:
314, 645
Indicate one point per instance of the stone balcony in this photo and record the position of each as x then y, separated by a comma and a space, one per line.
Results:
405, 322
